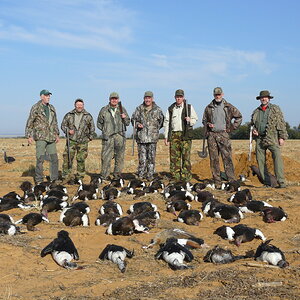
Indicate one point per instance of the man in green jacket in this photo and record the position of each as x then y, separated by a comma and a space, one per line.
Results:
270, 133
112, 121
42, 128
79, 125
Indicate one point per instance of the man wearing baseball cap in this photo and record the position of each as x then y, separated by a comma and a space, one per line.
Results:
112, 121
147, 120
42, 127
217, 118
178, 126
270, 133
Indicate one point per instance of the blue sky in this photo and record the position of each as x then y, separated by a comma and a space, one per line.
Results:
89, 48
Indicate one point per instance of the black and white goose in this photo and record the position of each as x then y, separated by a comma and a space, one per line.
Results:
157, 184
71, 216
274, 214
58, 194
254, 206
117, 255
147, 218
52, 204
175, 255
126, 226
119, 183
8, 159
136, 183
58, 187
228, 213
190, 217
271, 254
26, 187
87, 187
7, 204
177, 205
203, 196
85, 195
233, 185
110, 193
218, 255
110, 207
140, 207
179, 195
241, 198
106, 219
82, 206
7, 225
239, 234
31, 220
63, 251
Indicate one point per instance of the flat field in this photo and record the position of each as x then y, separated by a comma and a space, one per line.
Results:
25, 275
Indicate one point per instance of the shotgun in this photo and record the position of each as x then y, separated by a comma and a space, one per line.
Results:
68, 147
121, 112
250, 142
133, 134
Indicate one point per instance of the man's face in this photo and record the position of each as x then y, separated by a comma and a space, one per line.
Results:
113, 102
79, 106
45, 98
218, 97
179, 99
264, 101
148, 100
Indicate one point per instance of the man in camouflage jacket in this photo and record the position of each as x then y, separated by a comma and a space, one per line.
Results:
270, 133
42, 128
217, 119
112, 121
147, 120
79, 125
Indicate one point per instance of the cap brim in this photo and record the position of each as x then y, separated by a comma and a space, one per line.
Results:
258, 97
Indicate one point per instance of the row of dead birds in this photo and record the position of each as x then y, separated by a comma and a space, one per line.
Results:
175, 249
143, 214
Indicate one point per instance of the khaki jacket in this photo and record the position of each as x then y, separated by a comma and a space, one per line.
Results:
231, 113
39, 127
110, 125
276, 126
86, 130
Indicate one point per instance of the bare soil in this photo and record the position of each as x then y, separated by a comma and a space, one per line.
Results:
25, 275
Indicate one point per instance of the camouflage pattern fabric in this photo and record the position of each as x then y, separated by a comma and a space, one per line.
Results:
276, 126
219, 143
146, 153
277, 160
39, 127
231, 112
180, 152
86, 130
152, 122
110, 125
81, 151
43, 150
112, 147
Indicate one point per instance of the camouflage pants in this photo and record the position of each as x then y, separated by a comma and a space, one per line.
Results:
113, 147
219, 142
46, 151
81, 151
146, 153
180, 153
277, 160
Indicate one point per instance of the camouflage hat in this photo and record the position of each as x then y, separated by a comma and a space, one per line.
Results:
179, 93
264, 94
148, 94
45, 92
114, 95
218, 91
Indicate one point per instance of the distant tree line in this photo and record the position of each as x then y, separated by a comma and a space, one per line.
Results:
243, 132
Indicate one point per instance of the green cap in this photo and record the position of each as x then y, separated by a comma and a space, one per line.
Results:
264, 94
148, 94
114, 95
45, 92
218, 91
179, 93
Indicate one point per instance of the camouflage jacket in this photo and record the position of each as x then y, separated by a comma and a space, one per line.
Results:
231, 112
151, 120
110, 125
86, 130
276, 126
39, 127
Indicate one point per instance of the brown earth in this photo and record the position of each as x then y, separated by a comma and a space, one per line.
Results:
25, 275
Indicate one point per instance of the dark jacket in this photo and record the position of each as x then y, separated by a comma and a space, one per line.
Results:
39, 127
231, 113
86, 130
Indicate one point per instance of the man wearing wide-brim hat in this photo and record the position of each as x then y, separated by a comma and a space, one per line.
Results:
270, 133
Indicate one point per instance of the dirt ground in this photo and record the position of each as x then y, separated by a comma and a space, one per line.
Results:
25, 275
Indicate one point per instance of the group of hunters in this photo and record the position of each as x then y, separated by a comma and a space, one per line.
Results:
220, 118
